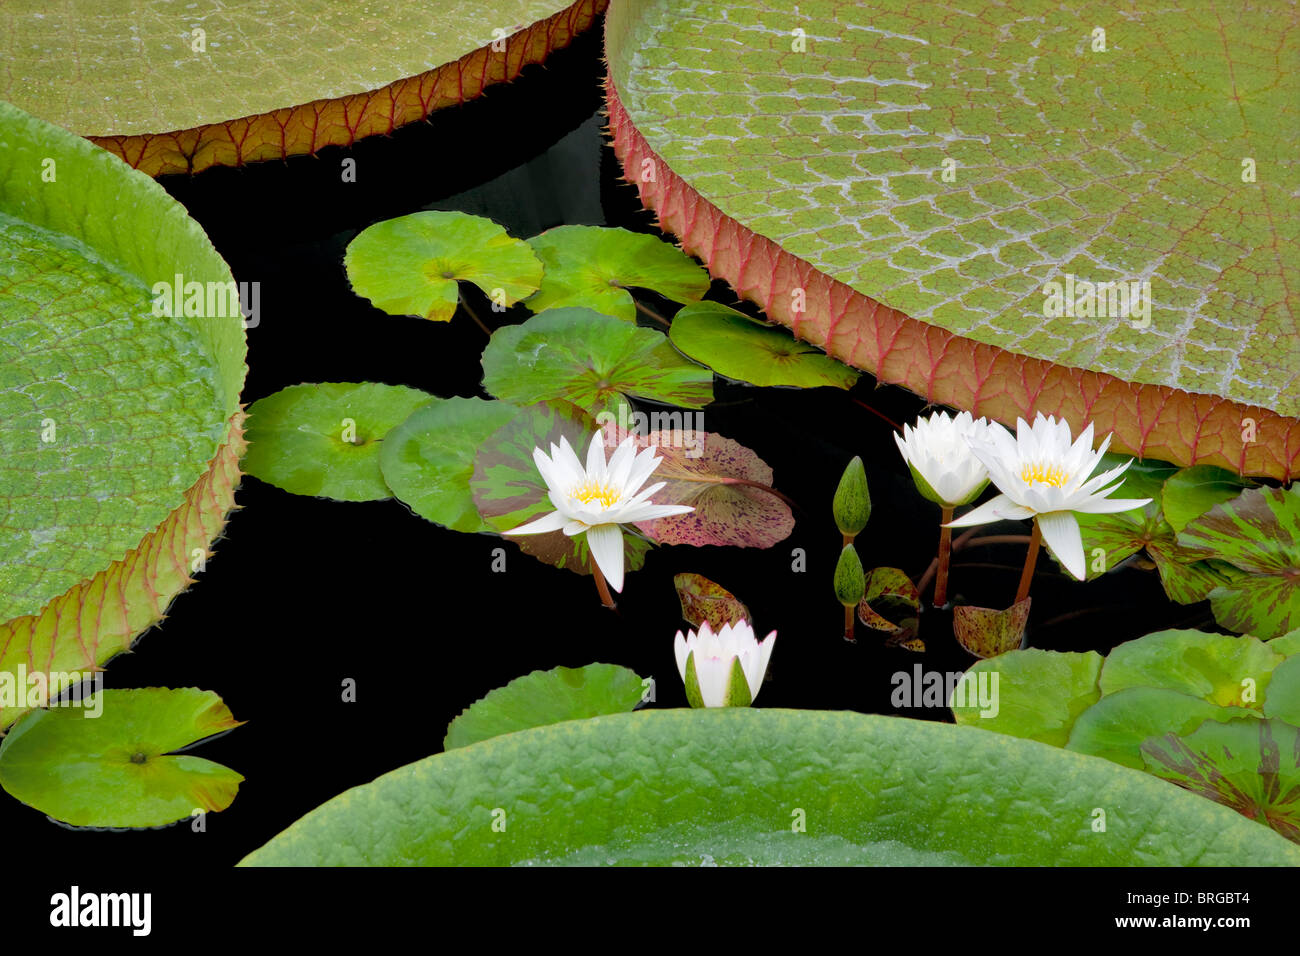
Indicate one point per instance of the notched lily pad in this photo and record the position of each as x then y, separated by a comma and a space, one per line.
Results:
1039, 694
325, 439
595, 361
702, 600
593, 266
738, 347
548, 697
1191, 492
1224, 670
428, 460
120, 769
411, 265
1251, 766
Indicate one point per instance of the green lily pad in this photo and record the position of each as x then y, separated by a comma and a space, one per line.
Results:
595, 361
738, 347
1258, 532
1224, 670
1191, 492
1125, 533
325, 439
118, 405
509, 491
1118, 723
1250, 766
760, 786
703, 601
119, 768
411, 265
547, 697
1039, 693
1283, 698
428, 460
592, 267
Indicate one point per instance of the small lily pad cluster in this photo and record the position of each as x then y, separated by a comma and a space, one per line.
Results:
1214, 713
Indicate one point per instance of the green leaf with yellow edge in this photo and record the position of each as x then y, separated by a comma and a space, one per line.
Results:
1039, 694
547, 697
324, 439
113, 763
595, 361
738, 347
1222, 669
592, 267
411, 265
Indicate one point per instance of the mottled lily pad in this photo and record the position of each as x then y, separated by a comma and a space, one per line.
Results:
704, 601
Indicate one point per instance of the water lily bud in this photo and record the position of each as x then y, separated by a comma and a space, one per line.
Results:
850, 581
938, 453
724, 669
852, 504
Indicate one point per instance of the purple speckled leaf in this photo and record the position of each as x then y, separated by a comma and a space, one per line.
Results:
718, 477
987, 632
703, 600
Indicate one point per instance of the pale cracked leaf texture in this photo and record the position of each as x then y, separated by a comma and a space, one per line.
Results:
264, 78
1123, 164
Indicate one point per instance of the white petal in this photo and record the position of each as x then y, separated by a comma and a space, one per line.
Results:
653, 513
1106, 506
606, 544
567, 461
596, 458
682, 651
1061, 532
1000, 508
552, 521
713, 675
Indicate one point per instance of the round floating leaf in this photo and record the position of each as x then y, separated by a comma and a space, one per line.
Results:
178, 90
119, 407
509, 491
1258, 532
1215, 667
1283, 698
325, 439
428, 460
1251, 766
738, 347
592, 267
1038, 694
547, 697
702, 600
728, 485
594, 361
1118, 723
724, 785
1191, 492
110, 762
986, 632
910, 190
411, 265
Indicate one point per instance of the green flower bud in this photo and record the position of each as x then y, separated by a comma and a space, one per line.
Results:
850, 581
852, 504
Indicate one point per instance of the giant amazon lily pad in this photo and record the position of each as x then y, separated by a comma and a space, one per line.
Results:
1257, 532
111, 763
325, 439
594, 361
742, 786
937, 198
119, 426
180, 85
593, 267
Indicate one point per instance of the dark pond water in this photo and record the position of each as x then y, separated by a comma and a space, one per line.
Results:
305, 593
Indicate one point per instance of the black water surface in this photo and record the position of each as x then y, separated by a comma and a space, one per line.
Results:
304, 594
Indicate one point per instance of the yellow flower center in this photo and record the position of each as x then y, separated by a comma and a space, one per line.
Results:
1043, 475
590, 491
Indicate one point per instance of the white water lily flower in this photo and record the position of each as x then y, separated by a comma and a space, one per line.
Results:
939, 455
598, 498
724, 669
1042, 475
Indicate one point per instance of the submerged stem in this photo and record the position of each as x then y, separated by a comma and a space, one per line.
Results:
1027, 575
464, 304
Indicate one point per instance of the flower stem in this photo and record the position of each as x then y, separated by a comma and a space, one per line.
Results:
601, 587
945, 556
469, 310
1027, 575
651, 313
850, 612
